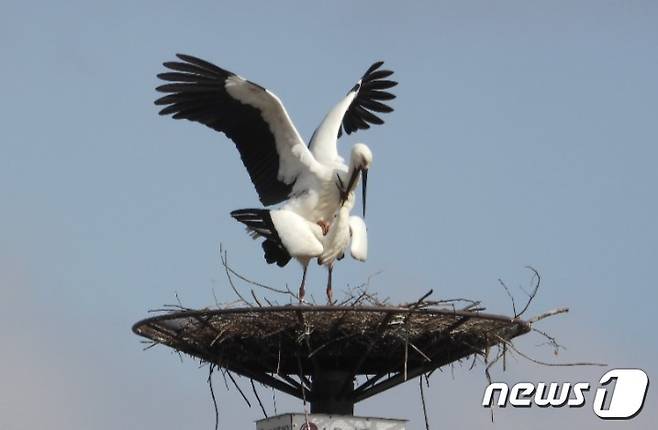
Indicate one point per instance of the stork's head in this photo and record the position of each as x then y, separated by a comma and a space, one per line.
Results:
361, 161
361, 156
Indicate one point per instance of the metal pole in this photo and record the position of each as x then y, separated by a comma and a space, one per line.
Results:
329, 395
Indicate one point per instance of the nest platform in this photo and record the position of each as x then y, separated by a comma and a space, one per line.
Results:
317, 352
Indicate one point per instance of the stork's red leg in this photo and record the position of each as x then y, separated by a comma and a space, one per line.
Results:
302, 292
330, 292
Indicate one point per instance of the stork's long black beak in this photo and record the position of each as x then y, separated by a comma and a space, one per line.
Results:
352, 184
364, 188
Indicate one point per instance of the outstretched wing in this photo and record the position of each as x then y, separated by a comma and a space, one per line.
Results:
251, 116
354, 112
369, 95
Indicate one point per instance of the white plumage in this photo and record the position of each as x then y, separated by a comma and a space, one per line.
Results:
313, 182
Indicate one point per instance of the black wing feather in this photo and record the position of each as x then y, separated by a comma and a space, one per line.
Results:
369, 97
260, 221
378, 95
197, 92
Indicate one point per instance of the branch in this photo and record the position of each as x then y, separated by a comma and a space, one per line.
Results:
212, 394
513, 348
223, 255
548, 314
534, 291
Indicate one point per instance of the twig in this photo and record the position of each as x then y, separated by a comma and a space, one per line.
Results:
212, 394
274, 400
253, 387
511, 346
301, 384
215, 298
238, 387
500, 281
420, 352
422, 398
224, 377
223, 255
249, 281
151, 344
256, 299
278, 362
551, 341
548, 314
419, 302
534, 291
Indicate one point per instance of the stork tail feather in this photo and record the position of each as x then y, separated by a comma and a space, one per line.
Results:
259, 223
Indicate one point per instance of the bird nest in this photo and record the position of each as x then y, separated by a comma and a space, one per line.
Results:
387, 344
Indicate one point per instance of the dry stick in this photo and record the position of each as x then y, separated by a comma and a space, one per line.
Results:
357, 301
419, 302
274, 399
548, 314
278, 363
354, 301
301, 383
511, 346
253, 387
504, 357
212, 394
257, 284
474, 307
364, 295
406, 356
485, 355
223, 372
238, 387
534, 291
256, 299
475, 357
224, 257
500, 281
420, 352
151, 343
170, 308
215, 298
551, 341
219, 335
422, 398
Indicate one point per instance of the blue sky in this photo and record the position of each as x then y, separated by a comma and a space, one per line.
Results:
524, 133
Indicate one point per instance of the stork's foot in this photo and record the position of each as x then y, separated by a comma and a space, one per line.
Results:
325, 227
330, 296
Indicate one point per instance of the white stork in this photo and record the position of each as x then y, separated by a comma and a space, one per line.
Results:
282, 168
289, 235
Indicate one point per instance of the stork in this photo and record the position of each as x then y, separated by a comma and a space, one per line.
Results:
281, 167
345, 230
288, 234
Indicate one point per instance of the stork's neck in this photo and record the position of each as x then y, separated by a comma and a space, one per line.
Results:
323, 142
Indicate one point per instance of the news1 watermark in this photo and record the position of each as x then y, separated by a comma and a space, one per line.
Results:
620, 394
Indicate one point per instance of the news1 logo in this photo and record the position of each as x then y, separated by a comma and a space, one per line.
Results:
619, 401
